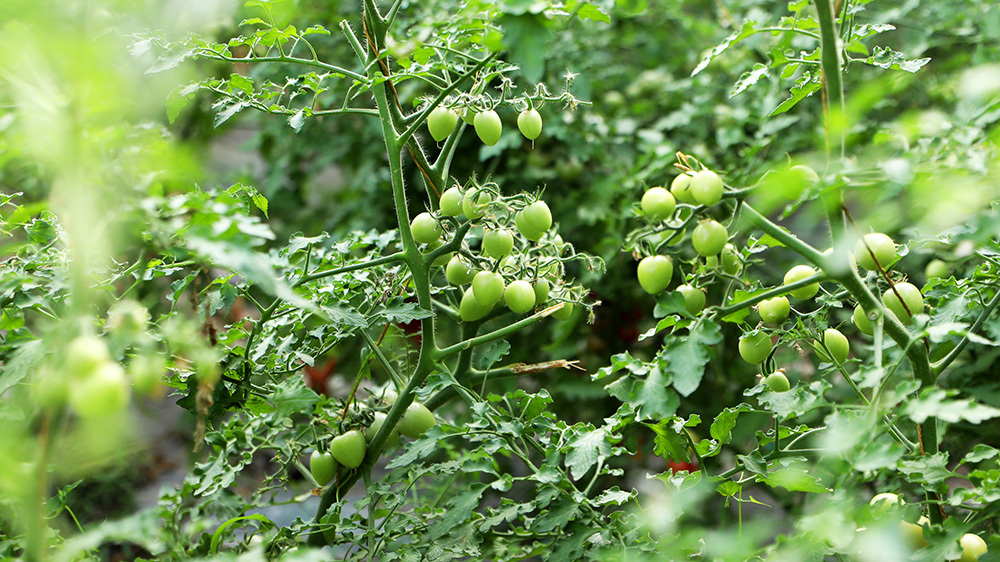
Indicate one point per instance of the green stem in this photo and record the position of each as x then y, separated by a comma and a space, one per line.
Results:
777, 291
494, 335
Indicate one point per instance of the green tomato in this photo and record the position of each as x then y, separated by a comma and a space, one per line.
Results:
694, 299
706, 187
798, 273
881, 245
883, 503
654, 273
541, 289
457, 272
488, 126
530, 123
973, 546
913, 534
425, 229
416, 421
730, 260
323, 467
837, 343
911, 297
709, 238
525, 230
861, 321
488, 286
774, 311
470, 309
681, 189
349, 448
804, 176
537, 216
658, 204
451, 202
565, 312
50, 388
469, 116
777, 381
937, 268
84, 355
519, 296
374, 428
755, 348
441, 122
146, 371
498, 243
103, 393
475, 203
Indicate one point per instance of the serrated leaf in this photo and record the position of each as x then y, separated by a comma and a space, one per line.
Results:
746, 30
585, 451
614, 495
749, 78
884, 57
805, 86
687, 356
795, 479
459, 508
23, 362
929, 469
404, 312
936, 403
723, 424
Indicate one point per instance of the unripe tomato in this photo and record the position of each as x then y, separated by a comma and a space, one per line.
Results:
973, 546
530, 123
425, 229
654, 273
519, 296
798, 273
441, 122
469, 116
451, 202
773, 311
936, 268
681, 189
537, 216
374, 428
475, 203
323, 467
911, 297
103, 393
417, 420
146, 371
457, 272
658, 204
706, 187
883, 503
84, 355
709, 237
565, 312
913, 534
498, 243
128, 319
525, 230
881, 245
861, 321
470, 309
804, 175
777, 381
488, 126
487, 286
50, 388
541, 289
755, 348
730, 260
349, 448
694, 299
837, 343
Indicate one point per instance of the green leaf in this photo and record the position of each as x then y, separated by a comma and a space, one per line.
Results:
670, 443
746, 30
292, 397
749, 78
980, 453
804, 87
936, 403
457, 511
585, 450
688, 356
723, 424
795, 479
884, 57
23, 362
928, 469
526, 36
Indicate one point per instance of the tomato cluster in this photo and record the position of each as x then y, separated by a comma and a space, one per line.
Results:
442, 122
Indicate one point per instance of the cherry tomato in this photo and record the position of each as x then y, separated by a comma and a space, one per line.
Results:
451, 202
730, 260
911, 297
84, 355
777, 381
755, 348
861, 321
374, 428
349, 448
694, 299
498, 243
537, 216
913, 534
487, 286
530, 123
441, 122
658, 204
470, 309
709, 238
773, 311
103, 393
804, 175
881, 245
525, 230
541, 289
469, 115
654, 273
323, 467
837, 343
706, 187
565, 312
973, 546
681, 189
458, 272
798, 273
488, 126
519, 296
417, 420
883, 503
676, 467
475, 203
936, 268
425, 229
